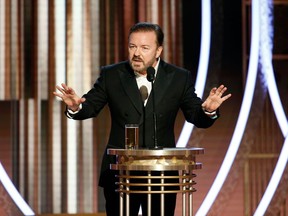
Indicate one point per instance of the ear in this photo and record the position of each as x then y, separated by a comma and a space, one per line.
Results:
159, 51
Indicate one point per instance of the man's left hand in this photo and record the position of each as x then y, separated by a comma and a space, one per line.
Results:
215, 99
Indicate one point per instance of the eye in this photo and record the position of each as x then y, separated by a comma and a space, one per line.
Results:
132, 47
145, 48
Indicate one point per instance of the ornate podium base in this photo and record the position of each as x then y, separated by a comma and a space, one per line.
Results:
182, 160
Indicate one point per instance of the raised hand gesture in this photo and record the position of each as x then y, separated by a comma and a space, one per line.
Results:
215, 98
69, 97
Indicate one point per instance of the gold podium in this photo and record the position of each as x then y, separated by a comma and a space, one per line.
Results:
182, 160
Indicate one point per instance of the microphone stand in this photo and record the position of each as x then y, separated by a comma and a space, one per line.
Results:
155, 121
151, 77
144, 95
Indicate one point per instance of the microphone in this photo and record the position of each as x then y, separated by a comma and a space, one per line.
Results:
150, 74
150, 77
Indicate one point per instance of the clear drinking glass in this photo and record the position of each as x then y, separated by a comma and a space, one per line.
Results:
131, 136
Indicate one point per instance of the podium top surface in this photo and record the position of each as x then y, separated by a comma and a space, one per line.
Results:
157, 152
156, 159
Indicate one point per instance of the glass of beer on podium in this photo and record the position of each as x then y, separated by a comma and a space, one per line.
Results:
131, 136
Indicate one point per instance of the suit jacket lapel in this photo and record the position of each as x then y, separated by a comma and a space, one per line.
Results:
130, 86
161, 85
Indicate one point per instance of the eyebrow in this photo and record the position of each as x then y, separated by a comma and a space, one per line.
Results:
144, 45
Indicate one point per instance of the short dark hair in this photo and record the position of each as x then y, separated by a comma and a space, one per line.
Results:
147, 27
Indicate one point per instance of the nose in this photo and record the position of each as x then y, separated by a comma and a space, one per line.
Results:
137, 52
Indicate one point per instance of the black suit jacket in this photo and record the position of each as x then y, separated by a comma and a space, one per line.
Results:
117, 87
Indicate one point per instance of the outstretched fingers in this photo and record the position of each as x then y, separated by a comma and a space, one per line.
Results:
60, 90
220, 91
224, 98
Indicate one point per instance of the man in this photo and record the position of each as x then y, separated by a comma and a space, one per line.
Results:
118, 86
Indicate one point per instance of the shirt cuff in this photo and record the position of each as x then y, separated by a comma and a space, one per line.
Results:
212, 115
71, 112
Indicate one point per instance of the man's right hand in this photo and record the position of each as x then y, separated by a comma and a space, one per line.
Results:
69, 97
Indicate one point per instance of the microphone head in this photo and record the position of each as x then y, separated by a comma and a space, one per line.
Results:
150, 74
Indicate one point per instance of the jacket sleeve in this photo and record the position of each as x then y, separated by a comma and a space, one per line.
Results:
191, 106
96, 99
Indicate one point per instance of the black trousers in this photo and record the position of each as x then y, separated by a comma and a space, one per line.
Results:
137, 200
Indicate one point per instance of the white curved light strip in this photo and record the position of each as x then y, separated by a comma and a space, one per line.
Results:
243, 116
276, 103
274, 181
14, 194
266, 46
283, 157
266, 54
203, 65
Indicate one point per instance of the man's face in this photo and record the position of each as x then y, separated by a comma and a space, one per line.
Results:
143, 50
